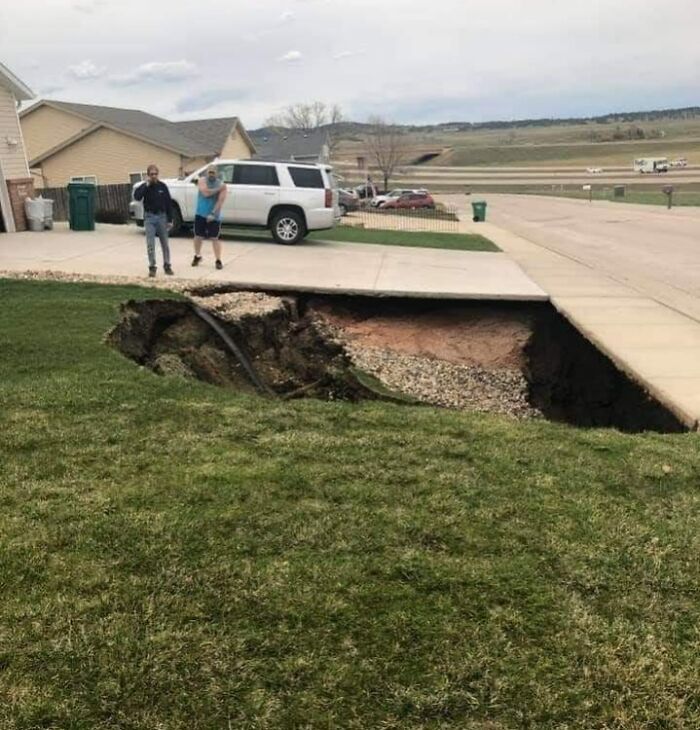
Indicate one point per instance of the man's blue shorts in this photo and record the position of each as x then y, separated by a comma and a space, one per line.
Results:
206, 229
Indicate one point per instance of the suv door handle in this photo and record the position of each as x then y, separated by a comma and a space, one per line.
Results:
269, 193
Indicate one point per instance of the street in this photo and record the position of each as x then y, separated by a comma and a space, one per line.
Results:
649, 248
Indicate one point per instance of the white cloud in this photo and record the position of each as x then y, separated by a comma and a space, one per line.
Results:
156, 71
347, 54
538, 58
88, 6
292, 57
86, 70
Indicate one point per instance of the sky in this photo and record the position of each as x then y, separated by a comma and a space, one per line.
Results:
409, 61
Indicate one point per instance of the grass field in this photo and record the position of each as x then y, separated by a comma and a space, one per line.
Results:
349, 234
583, 155
179, 556
558, 144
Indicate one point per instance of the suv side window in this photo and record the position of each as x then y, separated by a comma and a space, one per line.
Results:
255, 175
306, 177
225, 173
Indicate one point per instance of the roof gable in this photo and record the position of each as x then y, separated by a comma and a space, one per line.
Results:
12, 83
198, 138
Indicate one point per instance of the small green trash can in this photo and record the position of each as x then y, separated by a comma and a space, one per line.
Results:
479, 210
81, 206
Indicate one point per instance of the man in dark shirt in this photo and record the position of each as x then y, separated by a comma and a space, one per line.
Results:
157, 218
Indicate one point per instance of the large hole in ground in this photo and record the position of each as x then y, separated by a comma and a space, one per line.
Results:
521, 359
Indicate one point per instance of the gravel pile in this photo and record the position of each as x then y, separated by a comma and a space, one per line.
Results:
466, 387
178, 285
234, 306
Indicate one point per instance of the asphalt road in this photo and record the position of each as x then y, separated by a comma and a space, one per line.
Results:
458, 176
650, 248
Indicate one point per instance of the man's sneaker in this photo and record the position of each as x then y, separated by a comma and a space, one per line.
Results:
219, 265
152, 271
168, 269
196, 260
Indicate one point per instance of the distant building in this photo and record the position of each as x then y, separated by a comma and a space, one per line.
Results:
292, 144
107, 145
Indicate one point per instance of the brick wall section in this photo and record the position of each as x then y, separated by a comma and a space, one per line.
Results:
20, 189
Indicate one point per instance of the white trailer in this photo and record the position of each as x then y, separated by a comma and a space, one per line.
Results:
651, 164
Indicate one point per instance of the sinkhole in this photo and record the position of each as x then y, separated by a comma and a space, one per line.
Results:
521, 359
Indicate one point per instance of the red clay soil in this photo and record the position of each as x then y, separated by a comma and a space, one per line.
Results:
465, 336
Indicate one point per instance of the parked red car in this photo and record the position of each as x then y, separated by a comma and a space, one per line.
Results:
412, 201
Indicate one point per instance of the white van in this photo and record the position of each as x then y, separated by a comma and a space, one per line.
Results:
651, 164
288, 198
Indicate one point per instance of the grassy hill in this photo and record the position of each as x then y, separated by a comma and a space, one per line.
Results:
606, 141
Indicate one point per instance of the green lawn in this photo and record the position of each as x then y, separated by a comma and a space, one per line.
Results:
454, 241
178, 556
348, 234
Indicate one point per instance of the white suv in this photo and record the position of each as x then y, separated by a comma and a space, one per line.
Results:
289, 198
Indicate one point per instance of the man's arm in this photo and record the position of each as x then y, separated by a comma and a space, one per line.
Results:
140, 191
169, 202
220, 201
206, 191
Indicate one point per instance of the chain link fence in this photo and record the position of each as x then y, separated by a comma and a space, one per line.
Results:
442, 219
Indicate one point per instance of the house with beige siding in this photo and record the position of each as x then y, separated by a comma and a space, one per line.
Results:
107, 145
13, 160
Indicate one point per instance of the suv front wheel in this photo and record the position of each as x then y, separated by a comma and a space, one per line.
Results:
288, 227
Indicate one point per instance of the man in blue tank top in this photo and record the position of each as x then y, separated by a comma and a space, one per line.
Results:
207, 219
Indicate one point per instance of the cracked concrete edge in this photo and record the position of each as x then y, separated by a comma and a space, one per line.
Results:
180, 285
690, 420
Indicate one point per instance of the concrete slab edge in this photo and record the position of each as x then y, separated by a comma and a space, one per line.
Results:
688, 419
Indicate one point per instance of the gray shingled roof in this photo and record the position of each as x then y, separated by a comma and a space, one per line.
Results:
288, 144
211, 133
191, 142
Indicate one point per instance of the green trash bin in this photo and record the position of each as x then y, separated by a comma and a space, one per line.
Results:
81, 206
479, 210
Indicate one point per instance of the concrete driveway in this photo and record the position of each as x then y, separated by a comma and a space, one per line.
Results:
311, 266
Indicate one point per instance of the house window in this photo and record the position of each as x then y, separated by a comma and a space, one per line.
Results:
136, 177
84, 179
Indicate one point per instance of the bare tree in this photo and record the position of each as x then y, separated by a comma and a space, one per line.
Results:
335, 117
384, 147
308, 117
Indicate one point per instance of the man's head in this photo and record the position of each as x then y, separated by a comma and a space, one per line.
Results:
212, 172
152, 172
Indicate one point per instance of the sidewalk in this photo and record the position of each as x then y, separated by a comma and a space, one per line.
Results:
316, 266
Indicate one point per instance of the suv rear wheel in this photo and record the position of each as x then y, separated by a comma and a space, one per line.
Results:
288, 227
